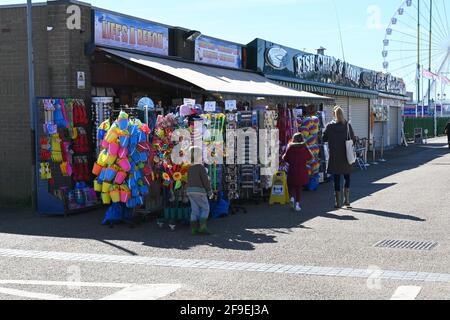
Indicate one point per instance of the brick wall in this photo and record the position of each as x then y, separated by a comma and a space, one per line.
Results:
58, 54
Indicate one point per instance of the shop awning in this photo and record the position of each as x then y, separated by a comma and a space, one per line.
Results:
217, 80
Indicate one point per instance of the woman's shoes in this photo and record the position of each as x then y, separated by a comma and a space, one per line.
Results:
298, 208
292, 203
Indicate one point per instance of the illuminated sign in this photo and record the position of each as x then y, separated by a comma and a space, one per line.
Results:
125, 33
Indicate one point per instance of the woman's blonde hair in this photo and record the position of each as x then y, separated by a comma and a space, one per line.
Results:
339, 114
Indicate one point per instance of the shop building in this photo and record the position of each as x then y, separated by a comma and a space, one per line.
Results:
355, 89
110, 59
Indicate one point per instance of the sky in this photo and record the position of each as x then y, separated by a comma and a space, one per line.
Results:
300, 24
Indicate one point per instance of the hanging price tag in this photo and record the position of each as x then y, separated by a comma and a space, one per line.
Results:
210, 106
230, 105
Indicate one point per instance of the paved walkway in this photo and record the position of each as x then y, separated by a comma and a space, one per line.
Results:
271, 252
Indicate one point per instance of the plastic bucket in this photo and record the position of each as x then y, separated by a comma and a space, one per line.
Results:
110, 160
123, 124
97, 169
111, 136
123, 141
123, 153
97, 186
106, 198
104, 144
115, 196
144, 190
124, 196
142, 137
143, 156
106, 187
110, 174
102, 157
120, 177
113, 149
125, 165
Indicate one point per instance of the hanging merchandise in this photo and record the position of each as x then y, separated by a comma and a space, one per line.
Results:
231, 171
101, 118
247, 154
63, 157
120, 166
310, 132
173, 176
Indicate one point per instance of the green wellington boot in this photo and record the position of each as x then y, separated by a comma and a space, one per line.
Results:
194, 228
203, 227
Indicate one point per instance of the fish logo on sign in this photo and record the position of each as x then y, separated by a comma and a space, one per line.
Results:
277, 58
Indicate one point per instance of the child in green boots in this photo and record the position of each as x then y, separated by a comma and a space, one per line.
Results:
198, 191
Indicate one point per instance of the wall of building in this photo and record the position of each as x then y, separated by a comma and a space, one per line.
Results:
58, 55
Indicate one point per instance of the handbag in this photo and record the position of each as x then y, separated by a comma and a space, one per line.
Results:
351, 154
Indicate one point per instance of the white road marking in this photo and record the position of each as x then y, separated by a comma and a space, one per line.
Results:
147, 292
29, 295
66, 283
406, 293
290, 270
129, 291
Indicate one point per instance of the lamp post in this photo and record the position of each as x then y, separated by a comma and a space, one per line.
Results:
31, 103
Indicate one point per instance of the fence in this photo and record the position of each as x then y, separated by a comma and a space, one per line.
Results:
424, 123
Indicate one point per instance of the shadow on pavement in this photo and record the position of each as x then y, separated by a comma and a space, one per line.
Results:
242, 232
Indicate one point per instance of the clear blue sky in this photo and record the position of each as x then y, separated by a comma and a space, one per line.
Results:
301, 24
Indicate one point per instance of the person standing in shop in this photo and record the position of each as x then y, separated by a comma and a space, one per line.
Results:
198, 191
336, 134
297, 156
447, 132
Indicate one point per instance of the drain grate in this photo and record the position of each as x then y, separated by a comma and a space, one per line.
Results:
404, 244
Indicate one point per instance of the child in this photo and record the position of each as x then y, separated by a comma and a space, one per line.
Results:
297, 156
198, 191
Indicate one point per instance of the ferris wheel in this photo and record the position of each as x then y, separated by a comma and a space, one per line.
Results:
407, 49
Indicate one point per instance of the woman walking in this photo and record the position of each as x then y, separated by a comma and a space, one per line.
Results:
336, 134
297, 156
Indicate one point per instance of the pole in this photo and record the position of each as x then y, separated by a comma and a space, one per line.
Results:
429, 68
419, 75
31, 103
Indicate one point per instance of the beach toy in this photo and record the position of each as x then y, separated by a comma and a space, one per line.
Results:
134, 130
142, 137
143, 156
136, 157
124, 140
123, 153
110, 174
97, 169
104, 144
106, 187
122, 123
139, 201
110, 160
144, 189
101, 160
115, 195
113, 149
97, 186
101, 176
125, 194
120, 177
111, 136
134, 140
125, 164
106, 198
131, 203
135, 192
